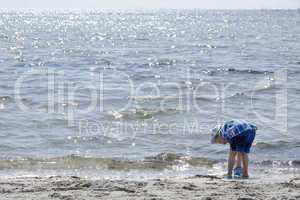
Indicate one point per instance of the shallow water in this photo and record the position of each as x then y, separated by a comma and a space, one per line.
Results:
156, 82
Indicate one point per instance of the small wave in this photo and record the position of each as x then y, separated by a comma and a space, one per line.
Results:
158, 162
68, 104
264, 145
236, 71
250, 94
151, 97
116, 114
131, 114
4, 36
248, 71
209, 46
142, 113
161, 62
5, 98
172, 158
265, 88
164, 62
143, 77
238, 94
205, 98
276, 145
162, 161
278, 163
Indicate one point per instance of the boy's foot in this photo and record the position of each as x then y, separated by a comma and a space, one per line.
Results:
238, 172
245, 177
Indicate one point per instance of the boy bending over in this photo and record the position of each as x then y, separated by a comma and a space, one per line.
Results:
240, 135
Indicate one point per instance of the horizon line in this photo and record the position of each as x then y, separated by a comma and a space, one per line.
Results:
137, 9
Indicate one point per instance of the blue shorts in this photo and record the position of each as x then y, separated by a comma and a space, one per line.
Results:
243, 142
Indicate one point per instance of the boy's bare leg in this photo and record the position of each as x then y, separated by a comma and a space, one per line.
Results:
231, 162
239, 159
245, 164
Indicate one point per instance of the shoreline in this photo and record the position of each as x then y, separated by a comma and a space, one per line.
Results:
195, 187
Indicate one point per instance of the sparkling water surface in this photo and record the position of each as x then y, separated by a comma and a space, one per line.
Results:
155, 81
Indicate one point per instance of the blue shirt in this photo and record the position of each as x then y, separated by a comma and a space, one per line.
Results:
235, 127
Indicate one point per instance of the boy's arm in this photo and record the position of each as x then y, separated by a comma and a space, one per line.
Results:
231, 162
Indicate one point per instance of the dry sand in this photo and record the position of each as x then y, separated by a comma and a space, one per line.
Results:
197, 187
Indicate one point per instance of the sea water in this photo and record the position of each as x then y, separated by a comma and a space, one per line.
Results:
133, 93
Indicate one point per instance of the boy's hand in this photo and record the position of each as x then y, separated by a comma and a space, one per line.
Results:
238, 172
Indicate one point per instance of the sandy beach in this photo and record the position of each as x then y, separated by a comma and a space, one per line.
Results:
197, 187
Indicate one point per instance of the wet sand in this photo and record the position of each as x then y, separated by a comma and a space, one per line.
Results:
197, 187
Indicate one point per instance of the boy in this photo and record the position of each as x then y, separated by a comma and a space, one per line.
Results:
240, 135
